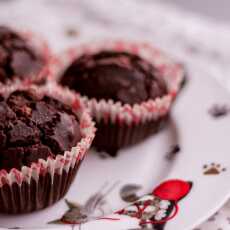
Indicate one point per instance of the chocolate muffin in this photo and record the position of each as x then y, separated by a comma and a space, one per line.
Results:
43, 140
120, 76
33, 127
129, 88
18, 59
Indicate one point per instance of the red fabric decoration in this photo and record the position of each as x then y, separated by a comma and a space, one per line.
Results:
173, 190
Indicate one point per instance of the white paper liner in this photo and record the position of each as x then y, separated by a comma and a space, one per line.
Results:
172, 73
41, 47
61, 162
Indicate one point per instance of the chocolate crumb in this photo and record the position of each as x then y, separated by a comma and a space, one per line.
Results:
218, 111
174, 150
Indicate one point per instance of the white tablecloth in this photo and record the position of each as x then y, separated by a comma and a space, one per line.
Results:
189, 38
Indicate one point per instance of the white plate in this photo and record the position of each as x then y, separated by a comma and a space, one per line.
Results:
203, 140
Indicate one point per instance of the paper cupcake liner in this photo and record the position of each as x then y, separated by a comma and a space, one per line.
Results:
124, 117
111, 136
42, 49
47, 181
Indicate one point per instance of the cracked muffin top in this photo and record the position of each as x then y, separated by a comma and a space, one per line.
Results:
120, 76
17, 58
33, 127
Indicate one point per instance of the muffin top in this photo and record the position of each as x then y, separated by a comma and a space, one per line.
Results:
120, 76
34, 127
17, 58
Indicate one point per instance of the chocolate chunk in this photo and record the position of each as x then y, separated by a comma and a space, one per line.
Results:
42, 113
22, 134
11, 158
3, 138
60, 137
39, 151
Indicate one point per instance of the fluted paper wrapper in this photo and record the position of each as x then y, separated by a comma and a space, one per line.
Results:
47, 181
122, 125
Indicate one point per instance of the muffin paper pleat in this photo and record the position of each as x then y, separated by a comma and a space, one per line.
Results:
111, 136
45, 182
